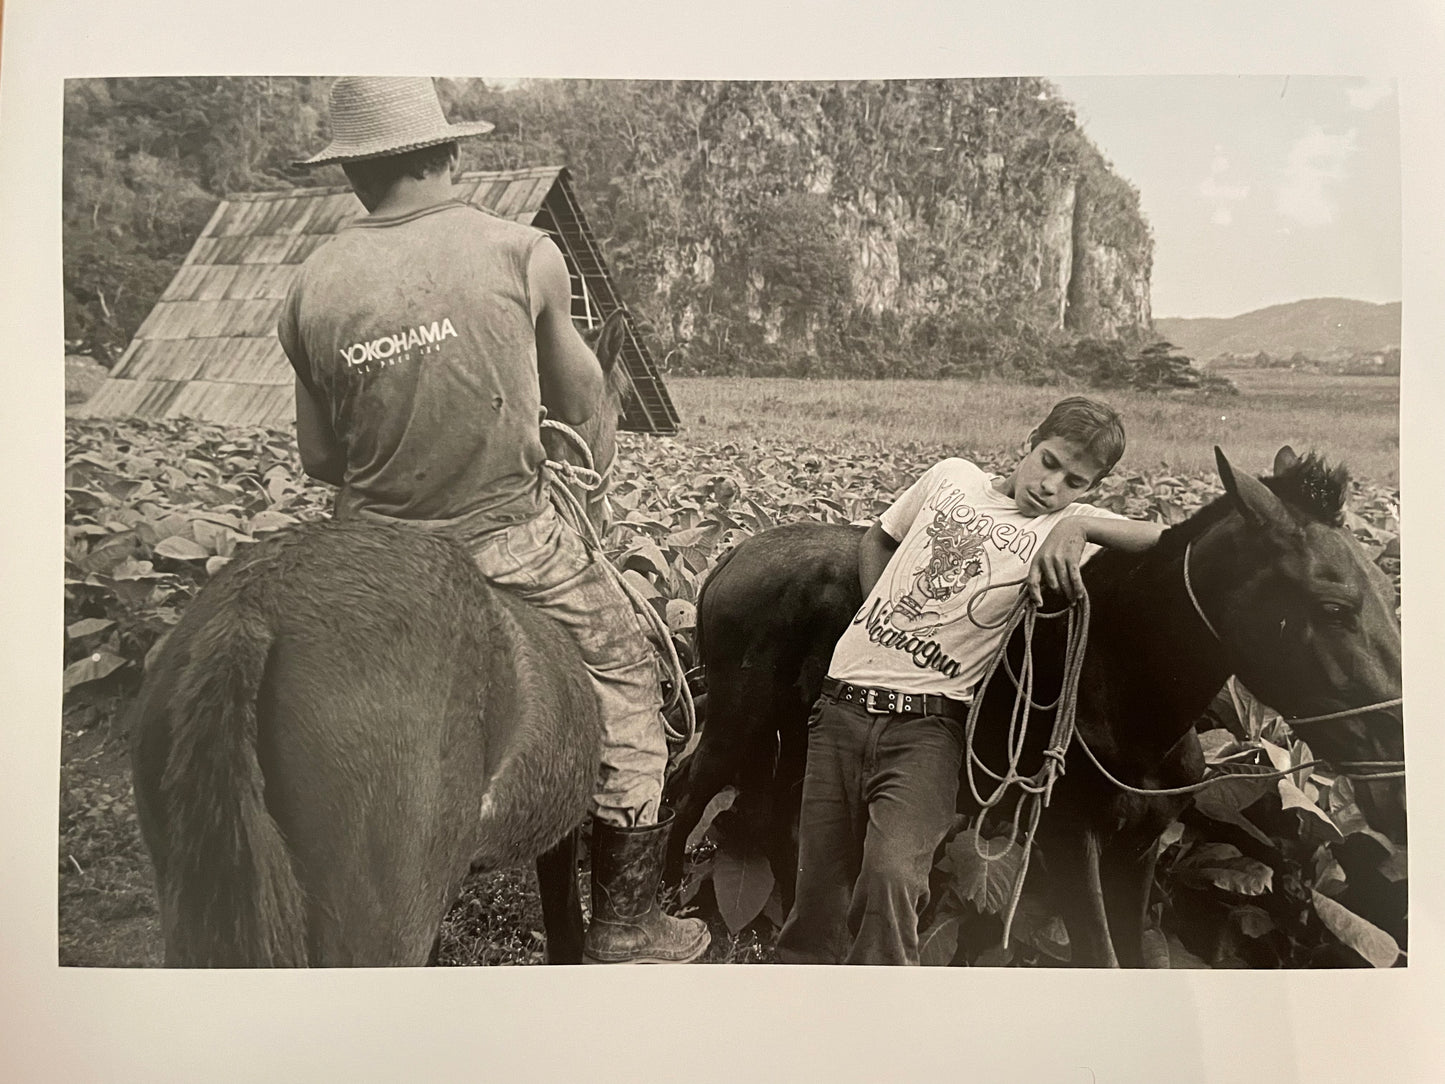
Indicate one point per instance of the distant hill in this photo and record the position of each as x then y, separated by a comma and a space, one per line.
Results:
1323, 328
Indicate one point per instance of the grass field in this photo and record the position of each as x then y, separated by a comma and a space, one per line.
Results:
1352, 419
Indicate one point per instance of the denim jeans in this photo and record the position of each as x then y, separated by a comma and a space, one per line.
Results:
544, 561
878, 798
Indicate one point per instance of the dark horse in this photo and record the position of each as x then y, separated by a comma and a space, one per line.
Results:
1265, 582
348, 719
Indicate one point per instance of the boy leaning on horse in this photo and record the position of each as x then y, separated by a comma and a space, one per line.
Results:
427, 338
940, 570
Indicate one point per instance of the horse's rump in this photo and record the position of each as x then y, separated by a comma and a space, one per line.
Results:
406, 720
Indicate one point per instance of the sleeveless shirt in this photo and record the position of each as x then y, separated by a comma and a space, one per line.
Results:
415, 334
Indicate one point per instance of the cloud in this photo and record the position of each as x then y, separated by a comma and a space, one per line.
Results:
1220, 195
1370, 93
1313, 163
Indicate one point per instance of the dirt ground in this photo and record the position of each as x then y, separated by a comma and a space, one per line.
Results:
108, 914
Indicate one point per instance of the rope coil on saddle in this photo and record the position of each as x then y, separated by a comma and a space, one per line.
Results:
561, 477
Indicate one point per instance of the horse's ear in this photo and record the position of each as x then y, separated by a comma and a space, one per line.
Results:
1284, 459
610, 339
1255, 503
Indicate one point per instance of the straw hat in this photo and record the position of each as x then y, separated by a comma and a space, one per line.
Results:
373, 116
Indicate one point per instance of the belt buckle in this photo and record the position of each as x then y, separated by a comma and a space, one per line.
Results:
870, 706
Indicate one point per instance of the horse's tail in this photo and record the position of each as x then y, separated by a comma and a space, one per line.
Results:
230, 894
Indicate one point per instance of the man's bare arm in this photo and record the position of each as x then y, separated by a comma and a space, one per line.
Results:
322, 456
571, 379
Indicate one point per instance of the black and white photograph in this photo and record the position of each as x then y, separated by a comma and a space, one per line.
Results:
551, 517
916, 380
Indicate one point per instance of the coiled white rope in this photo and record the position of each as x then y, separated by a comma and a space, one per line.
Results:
562, 477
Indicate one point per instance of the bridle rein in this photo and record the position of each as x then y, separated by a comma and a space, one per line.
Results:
1345, 714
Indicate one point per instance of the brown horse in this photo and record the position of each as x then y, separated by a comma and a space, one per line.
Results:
1293, 606
347, 719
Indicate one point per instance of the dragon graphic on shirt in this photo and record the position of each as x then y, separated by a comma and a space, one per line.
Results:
956, 558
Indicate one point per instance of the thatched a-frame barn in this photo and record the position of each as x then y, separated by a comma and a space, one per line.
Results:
209, 350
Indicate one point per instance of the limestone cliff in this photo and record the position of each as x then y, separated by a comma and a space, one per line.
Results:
832, 227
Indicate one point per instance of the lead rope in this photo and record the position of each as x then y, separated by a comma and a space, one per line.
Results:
1037, 790
561, 476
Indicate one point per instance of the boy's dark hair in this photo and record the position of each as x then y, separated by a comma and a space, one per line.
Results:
1095, 426
379, 174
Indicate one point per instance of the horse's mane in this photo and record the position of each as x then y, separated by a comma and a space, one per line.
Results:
1310, 485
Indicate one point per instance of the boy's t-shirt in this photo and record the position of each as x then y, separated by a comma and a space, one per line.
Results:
957, 535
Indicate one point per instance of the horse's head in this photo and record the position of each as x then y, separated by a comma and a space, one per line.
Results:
1308, 620
600, 430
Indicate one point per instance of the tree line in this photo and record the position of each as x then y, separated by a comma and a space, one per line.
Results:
889, 228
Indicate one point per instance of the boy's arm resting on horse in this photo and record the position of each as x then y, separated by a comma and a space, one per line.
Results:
875, 549
570, 377
1060, 557
322, 456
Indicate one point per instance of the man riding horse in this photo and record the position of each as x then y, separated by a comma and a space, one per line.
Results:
428, 337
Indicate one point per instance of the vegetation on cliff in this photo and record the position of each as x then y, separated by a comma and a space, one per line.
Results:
891, 228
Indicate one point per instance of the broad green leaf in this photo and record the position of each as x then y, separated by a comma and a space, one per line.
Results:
1222, 865
1329, 874
134, 570
87, 627
938, 943
171, 524
1229, 796
1253, 712
995, 956
773, 909
720, 801
1291, 797
214, 537
641, 584
1376, 946
93, 667
270, 520
113, 552
1278, 757
1171, 835
1252, 921
180, 548
985, 882
1216, 743
644, 556
742, 882
1037, 926
1156, 949
1395, 868
681, 614
701, 536
1180, 957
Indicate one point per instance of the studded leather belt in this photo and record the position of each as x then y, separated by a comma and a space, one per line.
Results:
883, 701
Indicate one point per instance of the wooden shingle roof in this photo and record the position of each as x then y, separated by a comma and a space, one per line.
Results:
208, 349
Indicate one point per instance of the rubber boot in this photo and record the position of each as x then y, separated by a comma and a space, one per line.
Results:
628, 925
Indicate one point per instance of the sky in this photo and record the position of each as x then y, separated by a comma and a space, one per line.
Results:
1258, 189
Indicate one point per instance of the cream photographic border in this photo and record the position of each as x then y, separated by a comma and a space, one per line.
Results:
695, 1023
